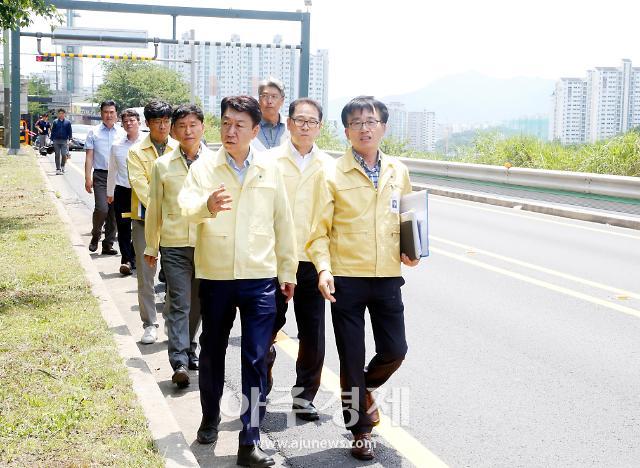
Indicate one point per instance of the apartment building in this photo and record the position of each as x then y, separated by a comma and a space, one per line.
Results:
224, 69
600, 106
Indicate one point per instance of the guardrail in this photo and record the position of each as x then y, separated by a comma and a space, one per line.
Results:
580, 182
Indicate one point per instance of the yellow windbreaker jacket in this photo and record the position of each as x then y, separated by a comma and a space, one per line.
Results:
141, 157
164, 224
300, 189
256, 238
357, 232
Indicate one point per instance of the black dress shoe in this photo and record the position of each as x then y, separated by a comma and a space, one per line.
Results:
180, 377
109, 251
208, 431
305, 410
194, 362
253, 456
93, 246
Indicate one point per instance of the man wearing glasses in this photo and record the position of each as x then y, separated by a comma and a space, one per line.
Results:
355, 247
141, 157
168, 232
301, 162
272, 132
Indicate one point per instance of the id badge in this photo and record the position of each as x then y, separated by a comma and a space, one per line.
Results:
394, 202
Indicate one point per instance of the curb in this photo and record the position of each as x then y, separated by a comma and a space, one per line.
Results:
537, 207
167, 436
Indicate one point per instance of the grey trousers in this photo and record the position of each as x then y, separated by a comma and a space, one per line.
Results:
145, 276
61, 150
104, 213
183, 315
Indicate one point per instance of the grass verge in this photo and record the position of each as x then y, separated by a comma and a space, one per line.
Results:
65, 397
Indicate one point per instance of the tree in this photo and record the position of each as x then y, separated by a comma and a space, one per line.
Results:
37, 87
394, 146
328, 140
133, 84
21, 13
212, 128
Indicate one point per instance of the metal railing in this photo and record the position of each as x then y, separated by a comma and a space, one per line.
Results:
579, 182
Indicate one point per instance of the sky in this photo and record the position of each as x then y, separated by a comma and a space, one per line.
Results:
382, 47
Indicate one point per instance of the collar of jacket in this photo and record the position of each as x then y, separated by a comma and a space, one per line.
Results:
147, 143
349, 163
221, 158
286, 153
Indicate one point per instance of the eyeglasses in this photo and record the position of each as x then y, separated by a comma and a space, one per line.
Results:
159, 122
369, 123
272, 97
299, 122
131, 120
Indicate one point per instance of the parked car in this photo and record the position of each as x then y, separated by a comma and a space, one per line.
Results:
80, 132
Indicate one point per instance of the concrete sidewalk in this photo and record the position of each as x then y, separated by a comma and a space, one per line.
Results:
173, 414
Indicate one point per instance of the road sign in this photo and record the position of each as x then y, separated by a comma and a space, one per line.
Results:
101, 32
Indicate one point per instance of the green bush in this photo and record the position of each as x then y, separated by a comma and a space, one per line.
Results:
619, 155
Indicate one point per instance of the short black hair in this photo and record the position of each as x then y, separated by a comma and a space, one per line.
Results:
312, 102
242, 103
108, 103
184, 110
361, 103
157, 109
62, 110
131, 112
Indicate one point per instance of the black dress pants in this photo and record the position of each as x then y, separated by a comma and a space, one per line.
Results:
122, 204
308, 306
382, 297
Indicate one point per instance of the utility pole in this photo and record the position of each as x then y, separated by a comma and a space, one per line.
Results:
7, 86
193, 66
15, 92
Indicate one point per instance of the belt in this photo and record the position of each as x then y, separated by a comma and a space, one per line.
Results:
100, 170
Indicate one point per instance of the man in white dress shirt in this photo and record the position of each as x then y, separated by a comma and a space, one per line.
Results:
119, 188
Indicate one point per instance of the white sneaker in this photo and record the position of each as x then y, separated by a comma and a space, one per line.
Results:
150, 335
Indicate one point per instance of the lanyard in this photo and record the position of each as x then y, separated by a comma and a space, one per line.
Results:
270, 144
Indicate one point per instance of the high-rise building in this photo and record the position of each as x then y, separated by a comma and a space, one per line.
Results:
397, 123
603, 104
567, 123
237, 68
421, 130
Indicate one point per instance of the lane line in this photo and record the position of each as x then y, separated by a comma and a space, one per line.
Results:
542, 269
407, 445
543, 284
540, 218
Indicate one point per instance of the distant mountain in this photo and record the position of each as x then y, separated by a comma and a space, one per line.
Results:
473, 97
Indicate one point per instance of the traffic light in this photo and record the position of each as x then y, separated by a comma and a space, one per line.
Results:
44, 58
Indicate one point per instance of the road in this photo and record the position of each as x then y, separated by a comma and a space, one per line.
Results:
524, 349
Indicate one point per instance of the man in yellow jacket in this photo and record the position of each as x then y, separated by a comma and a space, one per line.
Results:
168, 231
139, 163
246, 239
355, 247
301, 162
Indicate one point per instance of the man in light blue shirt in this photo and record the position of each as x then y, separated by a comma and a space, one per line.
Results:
98, 147
273, 131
